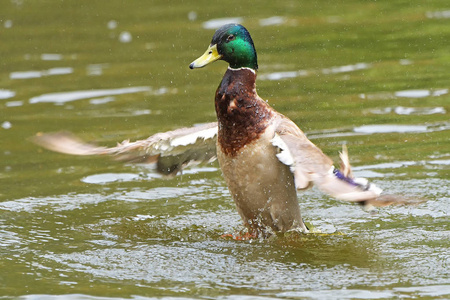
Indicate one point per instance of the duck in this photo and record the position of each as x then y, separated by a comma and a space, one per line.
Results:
264, 156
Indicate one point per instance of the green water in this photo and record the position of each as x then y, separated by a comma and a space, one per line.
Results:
372, 74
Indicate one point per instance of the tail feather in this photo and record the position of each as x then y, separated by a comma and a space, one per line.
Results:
346, 168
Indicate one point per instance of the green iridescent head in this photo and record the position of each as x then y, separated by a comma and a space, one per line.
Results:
233, 44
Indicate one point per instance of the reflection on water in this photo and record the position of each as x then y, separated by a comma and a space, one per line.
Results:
444, 14
6, 125
216, 23
38, 74
79, 95
381, 128
405, 94
276, 20
400, 110
303, 73
5, 94
370, 129
420, 93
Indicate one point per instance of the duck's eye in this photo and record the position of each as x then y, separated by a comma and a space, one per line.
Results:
231, 37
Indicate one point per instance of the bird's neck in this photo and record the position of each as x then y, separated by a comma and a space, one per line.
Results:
242, 114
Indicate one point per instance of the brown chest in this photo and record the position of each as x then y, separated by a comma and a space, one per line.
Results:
242, 115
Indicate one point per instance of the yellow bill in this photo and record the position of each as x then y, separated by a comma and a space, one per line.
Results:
211, 55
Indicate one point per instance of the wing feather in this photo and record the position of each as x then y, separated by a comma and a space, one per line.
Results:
310, 165
171, 150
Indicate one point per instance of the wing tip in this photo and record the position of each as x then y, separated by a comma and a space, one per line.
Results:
65, 142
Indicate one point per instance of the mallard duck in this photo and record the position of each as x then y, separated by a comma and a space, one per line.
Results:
264, 156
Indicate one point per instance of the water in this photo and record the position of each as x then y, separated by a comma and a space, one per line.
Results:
371, 75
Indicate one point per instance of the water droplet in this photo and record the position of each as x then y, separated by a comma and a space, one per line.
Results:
8, 24
192, 16
6, 125
112, 24
125, 37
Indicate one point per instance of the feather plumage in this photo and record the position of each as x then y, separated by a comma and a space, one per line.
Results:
171, 150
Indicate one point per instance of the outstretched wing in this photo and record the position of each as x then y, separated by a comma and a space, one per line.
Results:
171, 150
311, 166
